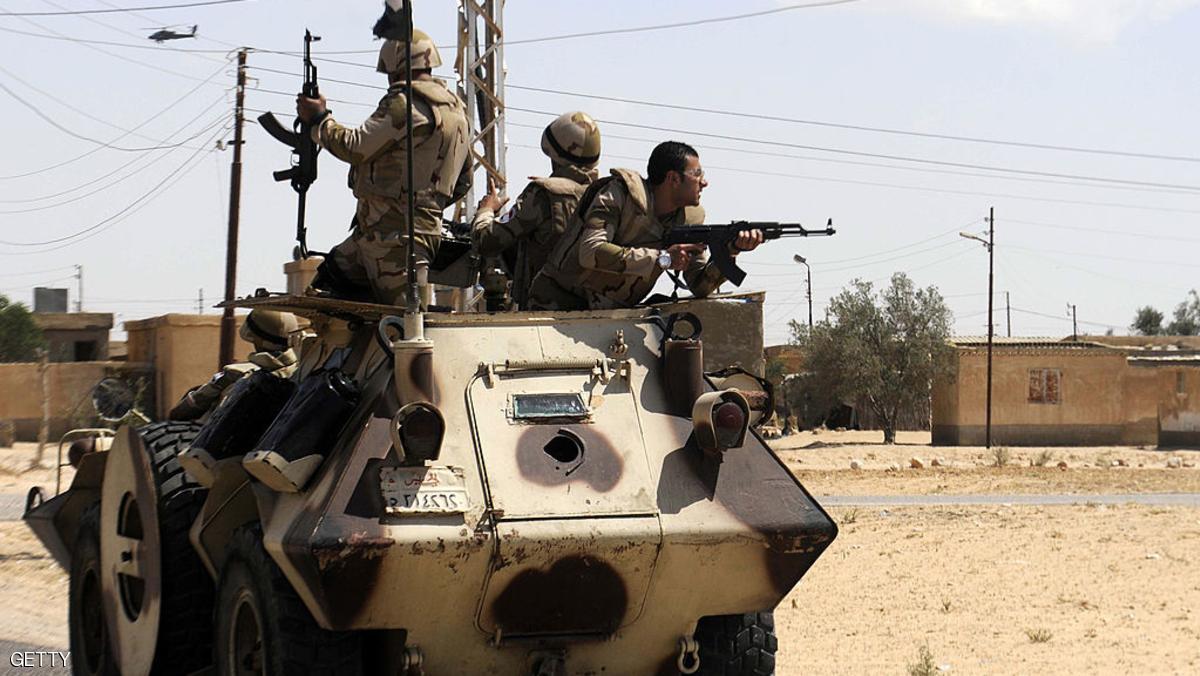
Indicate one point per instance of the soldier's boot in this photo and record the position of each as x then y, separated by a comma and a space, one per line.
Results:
292, 449
332, 280
237, 423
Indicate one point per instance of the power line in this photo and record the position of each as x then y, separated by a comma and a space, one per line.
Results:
897, 167
131, 162
1119, 233
122, 179
149, 8
145, 122
859, 153
100, 225
110, 43
91, 46
945, 191
1120, 259
855, 127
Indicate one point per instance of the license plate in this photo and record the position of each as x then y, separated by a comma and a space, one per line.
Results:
423, 490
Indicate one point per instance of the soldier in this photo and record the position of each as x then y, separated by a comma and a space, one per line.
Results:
610, 257
268, 331
540, 214
374, 258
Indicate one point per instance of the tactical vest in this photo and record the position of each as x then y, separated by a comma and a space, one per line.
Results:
638, 228
562, 195
440, 145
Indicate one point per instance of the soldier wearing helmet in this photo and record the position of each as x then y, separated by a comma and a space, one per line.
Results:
268, 331
611, 254
372, 261
533, 225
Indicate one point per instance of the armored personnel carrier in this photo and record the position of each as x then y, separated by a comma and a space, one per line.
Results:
509, 493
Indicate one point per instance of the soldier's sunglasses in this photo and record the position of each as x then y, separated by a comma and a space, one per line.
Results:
696, 173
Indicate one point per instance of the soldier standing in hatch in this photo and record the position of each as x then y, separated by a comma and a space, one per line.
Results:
375, 255
541, 213
611, 255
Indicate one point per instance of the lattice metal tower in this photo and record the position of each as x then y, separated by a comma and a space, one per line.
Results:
480, 66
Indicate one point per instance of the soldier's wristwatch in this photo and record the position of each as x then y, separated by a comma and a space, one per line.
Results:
664, 259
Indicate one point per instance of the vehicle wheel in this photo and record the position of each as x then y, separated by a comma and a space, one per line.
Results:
737, 645
90, 652
264, 628
159, 593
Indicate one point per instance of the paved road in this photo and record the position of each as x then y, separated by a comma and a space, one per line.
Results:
12, 664
12, 505
1160, 499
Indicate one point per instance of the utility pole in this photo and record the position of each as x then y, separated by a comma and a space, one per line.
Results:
1008, 312
228, 325
200, 302
991, 247
79, 298
1074, 322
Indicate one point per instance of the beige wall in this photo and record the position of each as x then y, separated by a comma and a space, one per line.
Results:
1179, 411
69, 385
1104, 399
182, 348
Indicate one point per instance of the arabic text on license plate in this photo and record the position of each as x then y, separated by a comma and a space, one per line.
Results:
423, 490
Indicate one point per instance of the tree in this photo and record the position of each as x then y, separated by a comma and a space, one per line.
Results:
885, 349
1187, 317
1147, 322
20, 338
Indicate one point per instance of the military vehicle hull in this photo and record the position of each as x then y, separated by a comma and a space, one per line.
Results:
571, 513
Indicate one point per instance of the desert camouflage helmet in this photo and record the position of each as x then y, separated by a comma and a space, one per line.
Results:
425, 54
573, 138
268, 329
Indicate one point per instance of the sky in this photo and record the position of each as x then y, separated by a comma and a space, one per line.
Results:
1074, 119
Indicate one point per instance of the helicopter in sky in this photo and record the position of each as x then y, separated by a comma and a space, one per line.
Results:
164, 34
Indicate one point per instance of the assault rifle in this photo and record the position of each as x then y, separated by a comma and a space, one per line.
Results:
303, 171
720, 237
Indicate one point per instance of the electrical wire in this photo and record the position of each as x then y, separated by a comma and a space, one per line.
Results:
145, 122
100, 226
105, 187
945, 191
1118, 233
148, 8
855, 127
126, 165
880, 165
858, 153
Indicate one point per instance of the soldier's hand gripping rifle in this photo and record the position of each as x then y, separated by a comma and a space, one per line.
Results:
719, 238
303, 171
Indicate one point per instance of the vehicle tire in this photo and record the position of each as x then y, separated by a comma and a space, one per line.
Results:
264, 628
90, 652
737, 645
185, 629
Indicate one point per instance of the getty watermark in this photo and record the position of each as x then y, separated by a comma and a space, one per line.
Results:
40, 659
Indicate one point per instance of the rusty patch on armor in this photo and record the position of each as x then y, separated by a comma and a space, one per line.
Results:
330, 553
576, 595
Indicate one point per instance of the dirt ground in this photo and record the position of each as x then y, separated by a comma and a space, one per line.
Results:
989, 589
1023, 590
822, 463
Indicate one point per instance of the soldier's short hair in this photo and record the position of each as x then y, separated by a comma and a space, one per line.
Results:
668, 156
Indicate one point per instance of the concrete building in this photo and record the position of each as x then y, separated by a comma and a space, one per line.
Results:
1063, 392
75, 336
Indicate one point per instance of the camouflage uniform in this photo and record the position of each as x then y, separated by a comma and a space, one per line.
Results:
534, 223
200, 401
376, 252
608, 256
